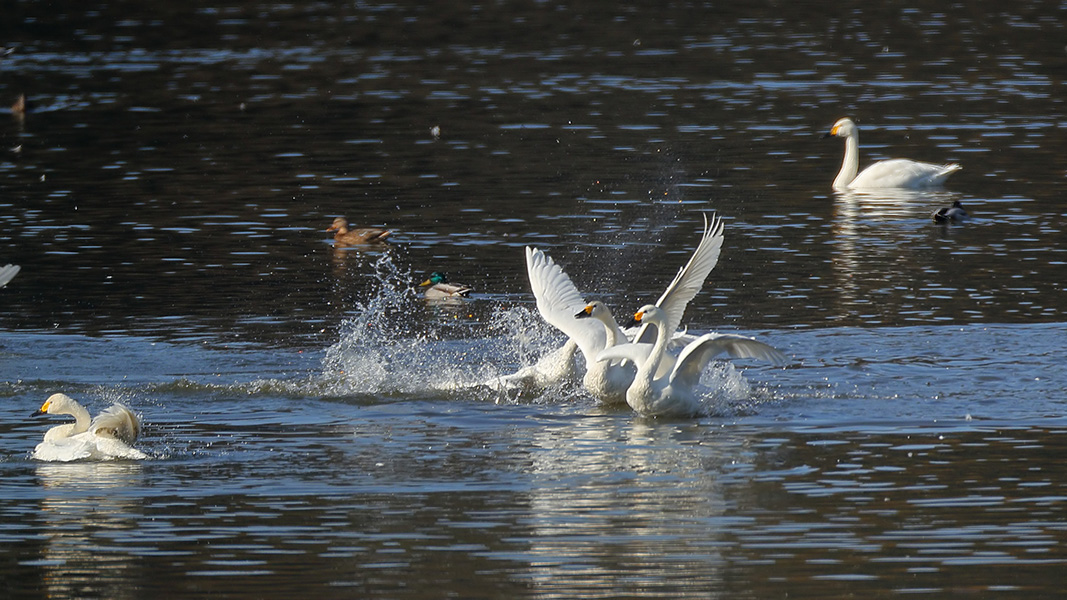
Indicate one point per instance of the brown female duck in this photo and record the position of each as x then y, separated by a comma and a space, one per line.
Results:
362, 235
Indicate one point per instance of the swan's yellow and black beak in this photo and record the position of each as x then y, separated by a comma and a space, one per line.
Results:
831, 133
585, 313
43, 410
636, 320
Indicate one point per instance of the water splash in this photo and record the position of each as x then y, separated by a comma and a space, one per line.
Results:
389, 349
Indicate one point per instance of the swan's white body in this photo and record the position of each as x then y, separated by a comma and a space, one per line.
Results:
108, 436
591, 325
665, 385
893, 173
7, 273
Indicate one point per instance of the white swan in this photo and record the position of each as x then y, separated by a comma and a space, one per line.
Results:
591, 326
665, 385
108, 436
7, 273
893, 173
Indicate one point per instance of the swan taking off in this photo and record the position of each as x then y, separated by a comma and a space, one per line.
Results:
108, 436
591, 327
665, 386
892, 173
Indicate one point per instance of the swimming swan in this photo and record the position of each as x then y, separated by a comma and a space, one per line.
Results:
893, 173
591, 325
664, 384
110, 435
7, 273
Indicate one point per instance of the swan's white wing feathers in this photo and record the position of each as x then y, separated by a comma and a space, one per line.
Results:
636, 353
696, 356
86, 446
903, 173
117, 422
553, 368
7, 273
690, 278
64, 450
558, 301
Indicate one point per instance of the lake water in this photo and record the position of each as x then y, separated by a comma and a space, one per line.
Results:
315, 427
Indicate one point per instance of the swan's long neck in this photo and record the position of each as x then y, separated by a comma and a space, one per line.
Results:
615, 335
647, 371
850, 166
81, 419
80, 425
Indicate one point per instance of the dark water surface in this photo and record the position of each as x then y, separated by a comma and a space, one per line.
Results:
315, 427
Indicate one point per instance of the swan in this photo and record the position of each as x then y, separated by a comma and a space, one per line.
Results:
665, 385
343, 236
591, 325
108, 436
952, 214
437, 287
7, 273
893, 173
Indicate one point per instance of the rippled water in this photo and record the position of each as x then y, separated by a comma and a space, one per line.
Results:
316, 427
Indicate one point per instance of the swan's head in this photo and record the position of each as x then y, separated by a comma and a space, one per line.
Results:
340, 224
843, 128
648, 313
595, 309
435, 278
57, 404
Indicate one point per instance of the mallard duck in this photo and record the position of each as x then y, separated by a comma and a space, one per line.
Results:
952, 214
18, 108
362, 235
893, 173
108, 436
437, 286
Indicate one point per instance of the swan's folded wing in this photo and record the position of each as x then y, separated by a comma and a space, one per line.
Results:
696, 356
112, 448
903, 173
558, 301
689, 280
64, 450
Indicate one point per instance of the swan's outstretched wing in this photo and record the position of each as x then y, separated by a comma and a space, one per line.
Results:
558, 301
7, 273
689, 280
696, 356
117, 422
636, 353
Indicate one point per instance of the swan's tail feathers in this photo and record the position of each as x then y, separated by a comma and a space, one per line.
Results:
947, 170
118, 422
